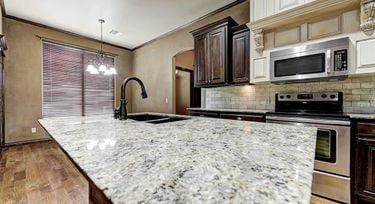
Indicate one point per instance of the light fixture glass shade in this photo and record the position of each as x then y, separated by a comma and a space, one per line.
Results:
107, 72
90, 68
113, 71
94, 71
102, 68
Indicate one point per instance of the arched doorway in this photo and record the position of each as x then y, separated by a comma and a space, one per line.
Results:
185, 95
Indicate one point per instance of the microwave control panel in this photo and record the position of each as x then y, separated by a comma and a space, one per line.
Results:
341, 60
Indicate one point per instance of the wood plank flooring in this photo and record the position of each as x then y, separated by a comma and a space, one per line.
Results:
40, 173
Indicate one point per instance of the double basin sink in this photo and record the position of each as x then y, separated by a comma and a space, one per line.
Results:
156, 119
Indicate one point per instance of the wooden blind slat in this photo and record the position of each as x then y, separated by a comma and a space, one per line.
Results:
66, 85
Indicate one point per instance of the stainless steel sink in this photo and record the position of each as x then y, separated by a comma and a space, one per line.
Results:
156, 119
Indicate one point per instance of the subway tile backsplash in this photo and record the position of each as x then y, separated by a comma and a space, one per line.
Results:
359, 94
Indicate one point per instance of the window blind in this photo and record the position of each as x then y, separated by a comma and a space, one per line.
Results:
68, 90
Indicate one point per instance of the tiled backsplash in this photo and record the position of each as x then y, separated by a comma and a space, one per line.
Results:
359, 94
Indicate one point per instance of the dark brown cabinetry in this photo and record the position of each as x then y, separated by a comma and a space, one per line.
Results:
201, 66
241, 54
255, 117
213, 54
364, 165
204, 114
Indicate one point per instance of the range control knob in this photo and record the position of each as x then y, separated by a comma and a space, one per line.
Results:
288, 96
324, 95
332, 96
282, 97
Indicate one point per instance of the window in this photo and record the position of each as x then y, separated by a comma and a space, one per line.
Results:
68, 90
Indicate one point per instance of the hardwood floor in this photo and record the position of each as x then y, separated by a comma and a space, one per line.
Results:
40, 173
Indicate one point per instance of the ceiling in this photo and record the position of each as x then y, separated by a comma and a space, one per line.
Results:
139, 21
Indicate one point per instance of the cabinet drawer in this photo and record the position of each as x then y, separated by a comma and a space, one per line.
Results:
255, 118
366, 128
204, 114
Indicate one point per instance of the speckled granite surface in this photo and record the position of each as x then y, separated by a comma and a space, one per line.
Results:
201, 160
231, 110
362, 116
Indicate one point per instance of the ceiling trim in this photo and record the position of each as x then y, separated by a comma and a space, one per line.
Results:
235, 3
4, 14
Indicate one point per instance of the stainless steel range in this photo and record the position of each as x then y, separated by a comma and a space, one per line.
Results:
332, 157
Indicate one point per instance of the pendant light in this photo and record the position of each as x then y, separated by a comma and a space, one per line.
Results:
98, 65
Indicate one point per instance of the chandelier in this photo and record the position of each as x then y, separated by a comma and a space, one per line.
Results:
99, 65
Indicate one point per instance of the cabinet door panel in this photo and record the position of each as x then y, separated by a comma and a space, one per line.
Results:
217, 56
259, 67
201, 68
282, 5
365, 168
241, 57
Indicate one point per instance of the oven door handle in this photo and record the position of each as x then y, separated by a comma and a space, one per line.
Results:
309, 120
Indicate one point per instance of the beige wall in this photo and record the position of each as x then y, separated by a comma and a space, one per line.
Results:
153, 62
23, 75
185, 60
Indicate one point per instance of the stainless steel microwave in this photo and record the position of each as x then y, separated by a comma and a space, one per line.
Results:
324, 60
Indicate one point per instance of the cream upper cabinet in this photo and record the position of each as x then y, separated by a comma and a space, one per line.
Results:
261, 9
365, 56
283, 5
264, 8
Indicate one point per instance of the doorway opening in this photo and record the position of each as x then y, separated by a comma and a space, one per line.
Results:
185, 95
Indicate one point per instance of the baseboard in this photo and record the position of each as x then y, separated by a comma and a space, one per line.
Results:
11, 144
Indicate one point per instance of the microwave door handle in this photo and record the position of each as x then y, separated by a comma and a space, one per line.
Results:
328, 62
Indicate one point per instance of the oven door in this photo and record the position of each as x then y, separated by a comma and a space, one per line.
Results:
331, 178
301, 65
332, 152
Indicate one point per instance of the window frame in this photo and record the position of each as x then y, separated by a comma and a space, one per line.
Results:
83, 50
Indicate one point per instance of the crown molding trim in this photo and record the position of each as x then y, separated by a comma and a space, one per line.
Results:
5, 15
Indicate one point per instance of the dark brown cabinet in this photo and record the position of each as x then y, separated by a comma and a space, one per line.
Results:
204, 114
364, 167
201, 70
213, 53
255, 117
241, 54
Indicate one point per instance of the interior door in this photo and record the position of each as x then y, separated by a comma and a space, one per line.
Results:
201, 61
217, 56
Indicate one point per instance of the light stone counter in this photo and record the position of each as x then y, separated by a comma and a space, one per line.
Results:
200, 160
367, 116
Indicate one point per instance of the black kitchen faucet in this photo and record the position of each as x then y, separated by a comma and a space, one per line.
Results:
121, 112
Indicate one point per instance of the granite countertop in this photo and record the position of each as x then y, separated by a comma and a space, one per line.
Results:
367, 116
200, 160
231, 110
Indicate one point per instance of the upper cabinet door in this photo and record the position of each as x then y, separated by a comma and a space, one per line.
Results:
217, 55
262, 9
241, 57
201, 60
282, 5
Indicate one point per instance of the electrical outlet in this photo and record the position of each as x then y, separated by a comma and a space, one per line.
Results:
166, 100
33, 130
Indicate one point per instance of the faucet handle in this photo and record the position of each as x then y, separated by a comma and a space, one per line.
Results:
117, 113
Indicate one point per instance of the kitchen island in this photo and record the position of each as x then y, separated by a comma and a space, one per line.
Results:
200, 160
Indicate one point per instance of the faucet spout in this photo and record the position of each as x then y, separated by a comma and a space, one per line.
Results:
121, 112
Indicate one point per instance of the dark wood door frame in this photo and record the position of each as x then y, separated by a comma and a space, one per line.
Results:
195, 93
